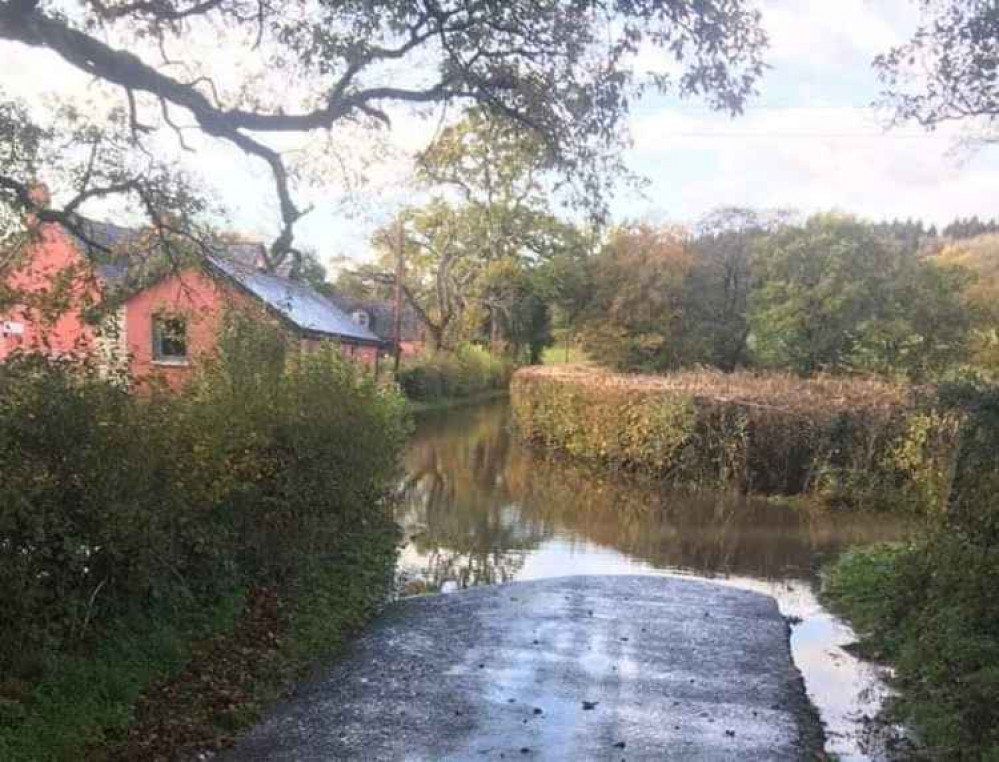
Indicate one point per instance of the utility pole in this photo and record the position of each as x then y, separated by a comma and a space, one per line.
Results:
397, 316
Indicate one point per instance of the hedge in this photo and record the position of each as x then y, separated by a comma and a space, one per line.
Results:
126, 516
466, 372
857, 442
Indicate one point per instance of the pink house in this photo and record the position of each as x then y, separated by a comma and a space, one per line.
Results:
159, 327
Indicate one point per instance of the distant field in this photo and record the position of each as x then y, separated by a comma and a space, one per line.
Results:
560, 355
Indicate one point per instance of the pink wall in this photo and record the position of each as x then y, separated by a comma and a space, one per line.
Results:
49, 260
412, 348
202, 301
190, 294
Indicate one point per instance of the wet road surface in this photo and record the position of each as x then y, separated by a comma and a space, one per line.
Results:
576, 668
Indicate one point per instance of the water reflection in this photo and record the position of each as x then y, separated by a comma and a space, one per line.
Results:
479, 509
477, 505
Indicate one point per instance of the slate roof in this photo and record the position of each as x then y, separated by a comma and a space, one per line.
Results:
302, 305
381, 314
298, 303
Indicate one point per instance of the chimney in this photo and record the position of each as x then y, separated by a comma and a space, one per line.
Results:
39, 194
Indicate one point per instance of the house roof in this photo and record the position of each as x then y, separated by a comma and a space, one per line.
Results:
300, 304
382, 315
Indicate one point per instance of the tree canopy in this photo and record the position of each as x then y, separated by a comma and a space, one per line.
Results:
949, 69
246, 72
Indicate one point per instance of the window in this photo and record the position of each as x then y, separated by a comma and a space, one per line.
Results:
361, 318
169, 338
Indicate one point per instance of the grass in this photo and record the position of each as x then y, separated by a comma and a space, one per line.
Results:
859, 586
929, 611
85, 698
562, 355
191, 681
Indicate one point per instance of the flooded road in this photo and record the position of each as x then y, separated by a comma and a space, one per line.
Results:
479, 509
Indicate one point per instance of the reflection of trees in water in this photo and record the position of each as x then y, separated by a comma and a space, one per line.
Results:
454, 507
474, 502
707, 532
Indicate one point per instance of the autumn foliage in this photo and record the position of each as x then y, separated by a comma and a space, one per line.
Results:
859, 442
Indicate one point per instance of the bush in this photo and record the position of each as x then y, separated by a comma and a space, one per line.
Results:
931, 609
847, 441
117, 508
468, 371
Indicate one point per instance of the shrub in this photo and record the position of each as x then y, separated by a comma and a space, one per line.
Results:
931, 609
839, 439
118, 509
468, 371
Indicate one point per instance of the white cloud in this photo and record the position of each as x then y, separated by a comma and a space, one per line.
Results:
833, 34
809, 158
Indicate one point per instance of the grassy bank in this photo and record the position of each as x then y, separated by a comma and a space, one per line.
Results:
168, 562
856, 442
449, 403
929, 611
930, 608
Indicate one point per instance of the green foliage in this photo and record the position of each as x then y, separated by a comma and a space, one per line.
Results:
117, 510
857, 443
833, 295
482, 268
978, 259
930, 609
864, 583
468, 371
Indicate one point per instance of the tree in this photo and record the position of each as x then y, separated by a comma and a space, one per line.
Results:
979, 257
635, 319
835, 295
948, 70
720, 281
505, 178
437, 266
562, 69
474, 251
517, 315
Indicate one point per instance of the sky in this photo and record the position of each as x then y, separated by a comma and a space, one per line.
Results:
809, 140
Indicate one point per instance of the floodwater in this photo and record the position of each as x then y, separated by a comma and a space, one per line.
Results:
480, 509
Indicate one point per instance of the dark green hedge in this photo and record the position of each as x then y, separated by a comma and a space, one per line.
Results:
450, 375
116, 507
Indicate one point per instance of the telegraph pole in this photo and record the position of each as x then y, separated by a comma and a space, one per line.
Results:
397, 316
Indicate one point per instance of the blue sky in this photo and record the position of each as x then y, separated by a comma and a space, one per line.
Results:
809, 141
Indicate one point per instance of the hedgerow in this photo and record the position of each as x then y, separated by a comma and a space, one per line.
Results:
930, 608
857, 442
124, 518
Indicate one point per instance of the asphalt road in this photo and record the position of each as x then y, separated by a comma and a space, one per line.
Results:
578, 668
